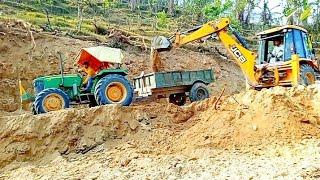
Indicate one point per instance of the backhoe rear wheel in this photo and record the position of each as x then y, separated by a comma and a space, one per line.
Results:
307, 75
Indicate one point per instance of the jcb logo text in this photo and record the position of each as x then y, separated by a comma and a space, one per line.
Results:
238, 54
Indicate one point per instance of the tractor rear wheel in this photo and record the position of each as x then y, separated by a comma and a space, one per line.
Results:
113, 89
307, 75
51, 99
198, 92
178, 99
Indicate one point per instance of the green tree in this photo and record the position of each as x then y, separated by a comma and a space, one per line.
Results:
216, 9
162, 19
297, 11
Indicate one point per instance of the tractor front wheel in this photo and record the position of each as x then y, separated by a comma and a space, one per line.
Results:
307, 75
51, 99
113, 89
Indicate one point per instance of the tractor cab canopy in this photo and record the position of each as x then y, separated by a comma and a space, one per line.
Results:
293, 40
99, 57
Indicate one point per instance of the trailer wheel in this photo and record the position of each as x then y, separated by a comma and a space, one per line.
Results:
113, 89
178, 99
307, 75
51, 99
198, 92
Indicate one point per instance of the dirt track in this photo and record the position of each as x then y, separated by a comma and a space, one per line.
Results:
273, 133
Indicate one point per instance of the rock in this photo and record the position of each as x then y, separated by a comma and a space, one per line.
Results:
22, 148
314, 120
254, 127
125, 162
143, 117
305, 120
99, 148
300, 88
133, 124
239, 113
179, 168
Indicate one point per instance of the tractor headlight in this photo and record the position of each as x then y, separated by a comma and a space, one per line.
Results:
38, 86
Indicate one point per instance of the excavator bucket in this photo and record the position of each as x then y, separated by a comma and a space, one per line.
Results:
160, 43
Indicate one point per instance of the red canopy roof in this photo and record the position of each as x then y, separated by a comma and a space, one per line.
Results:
99, 57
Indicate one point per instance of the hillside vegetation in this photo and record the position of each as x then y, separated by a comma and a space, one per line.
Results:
152, 16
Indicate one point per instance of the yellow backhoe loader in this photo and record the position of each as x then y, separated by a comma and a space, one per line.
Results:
296, 65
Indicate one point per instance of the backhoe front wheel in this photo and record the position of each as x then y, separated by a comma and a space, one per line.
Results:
113, 89
307, 75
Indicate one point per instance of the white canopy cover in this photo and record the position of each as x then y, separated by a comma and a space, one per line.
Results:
106, 54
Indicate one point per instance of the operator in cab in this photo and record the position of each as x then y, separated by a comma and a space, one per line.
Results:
88, 81
278, 51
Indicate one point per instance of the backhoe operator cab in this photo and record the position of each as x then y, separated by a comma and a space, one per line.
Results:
293, 39
280, 47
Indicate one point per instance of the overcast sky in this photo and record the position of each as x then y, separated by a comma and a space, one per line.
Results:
276, 7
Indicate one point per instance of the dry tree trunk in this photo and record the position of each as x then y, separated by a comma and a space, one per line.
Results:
80, 16
171, 7
27, 26
132, 4
48, 18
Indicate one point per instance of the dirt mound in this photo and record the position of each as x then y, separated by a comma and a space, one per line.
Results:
27, 137
253, 119
277, 122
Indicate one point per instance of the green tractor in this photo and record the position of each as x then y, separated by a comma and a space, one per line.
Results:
109, 85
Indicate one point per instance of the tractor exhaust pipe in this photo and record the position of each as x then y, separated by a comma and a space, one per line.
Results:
61, 67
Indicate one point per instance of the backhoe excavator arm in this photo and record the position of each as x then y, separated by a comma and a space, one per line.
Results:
235, 46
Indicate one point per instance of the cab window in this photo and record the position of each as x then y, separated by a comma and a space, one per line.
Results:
263, 50
266, 47
307, 45
289, 46
299, 44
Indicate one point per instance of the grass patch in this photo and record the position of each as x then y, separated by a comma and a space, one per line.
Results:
143, 23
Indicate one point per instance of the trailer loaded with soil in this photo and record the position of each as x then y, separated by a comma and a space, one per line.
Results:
175, 85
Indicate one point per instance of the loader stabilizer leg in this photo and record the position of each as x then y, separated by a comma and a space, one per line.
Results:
276, 76
295, 70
